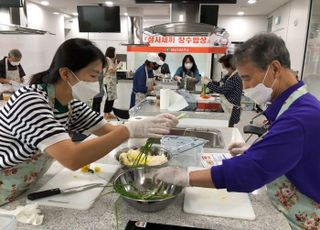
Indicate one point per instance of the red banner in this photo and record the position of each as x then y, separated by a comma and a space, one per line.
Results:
158, 49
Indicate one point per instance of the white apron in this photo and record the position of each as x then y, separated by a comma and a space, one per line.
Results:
228, 106
12, 74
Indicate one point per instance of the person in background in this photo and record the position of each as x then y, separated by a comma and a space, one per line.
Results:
110, 81
11, 71
231, 90
36, 122
141, 76
96, 102
164, 68
286, 159
188, 72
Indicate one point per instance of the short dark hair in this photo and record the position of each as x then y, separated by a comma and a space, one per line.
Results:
227, 61
15, 53
162, 55
75, 54
194, 66
262, 49
110, 52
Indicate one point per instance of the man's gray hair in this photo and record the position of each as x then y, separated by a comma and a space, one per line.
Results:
262, 49
15, 53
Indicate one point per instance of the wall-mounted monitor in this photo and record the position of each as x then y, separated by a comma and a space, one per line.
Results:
11, 3
209, 14
99, 19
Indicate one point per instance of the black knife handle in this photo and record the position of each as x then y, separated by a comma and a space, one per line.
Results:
42, 194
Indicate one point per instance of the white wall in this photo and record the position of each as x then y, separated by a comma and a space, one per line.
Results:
242, 28
37, 50
293, 29
102, 40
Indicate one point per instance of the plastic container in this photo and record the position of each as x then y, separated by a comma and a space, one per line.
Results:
8, 222
185, 150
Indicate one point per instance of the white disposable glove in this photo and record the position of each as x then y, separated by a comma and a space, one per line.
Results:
153, 127
237, 148
178, 79
205, 80
172, 175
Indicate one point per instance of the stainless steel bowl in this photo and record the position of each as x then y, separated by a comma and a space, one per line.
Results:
155, 150
135, 179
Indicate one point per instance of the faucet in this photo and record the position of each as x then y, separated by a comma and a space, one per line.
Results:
135, 109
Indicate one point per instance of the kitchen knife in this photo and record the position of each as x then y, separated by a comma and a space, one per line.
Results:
56, 191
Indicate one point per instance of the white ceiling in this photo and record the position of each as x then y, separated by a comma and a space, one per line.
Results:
262, 7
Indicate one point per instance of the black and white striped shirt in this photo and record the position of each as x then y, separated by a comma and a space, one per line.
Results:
28, 124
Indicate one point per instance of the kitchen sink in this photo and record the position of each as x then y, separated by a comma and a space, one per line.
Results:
213, 136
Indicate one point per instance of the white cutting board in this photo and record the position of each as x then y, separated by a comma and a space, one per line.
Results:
67, 178
217, 202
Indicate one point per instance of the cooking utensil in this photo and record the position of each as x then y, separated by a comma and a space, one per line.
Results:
56, 191
137, 179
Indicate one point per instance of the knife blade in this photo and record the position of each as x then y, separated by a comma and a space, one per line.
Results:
56, 191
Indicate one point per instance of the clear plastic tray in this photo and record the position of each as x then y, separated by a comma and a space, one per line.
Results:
185, 150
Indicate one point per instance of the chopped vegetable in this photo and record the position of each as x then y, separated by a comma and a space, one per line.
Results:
97, 169
87, 169
130, 157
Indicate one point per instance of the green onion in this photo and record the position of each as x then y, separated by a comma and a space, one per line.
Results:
141, 195
182, 115
144, 152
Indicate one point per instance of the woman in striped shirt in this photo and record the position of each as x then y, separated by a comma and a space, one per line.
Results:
36, 122
231, 90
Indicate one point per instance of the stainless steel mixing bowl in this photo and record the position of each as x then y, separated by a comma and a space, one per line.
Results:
137, 179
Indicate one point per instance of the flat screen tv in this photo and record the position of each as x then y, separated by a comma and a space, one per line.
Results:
99, 19
11, 3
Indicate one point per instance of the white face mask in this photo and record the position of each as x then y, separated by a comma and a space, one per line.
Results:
14, 63
260, 94
224, 72
84, 90
188, 65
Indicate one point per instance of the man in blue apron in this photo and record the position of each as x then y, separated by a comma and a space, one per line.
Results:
140, 79
287, 158
11, 72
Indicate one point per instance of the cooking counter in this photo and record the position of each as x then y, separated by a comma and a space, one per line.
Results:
101, 215
148, 107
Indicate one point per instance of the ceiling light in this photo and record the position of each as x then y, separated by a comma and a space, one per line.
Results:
125, 14
66, 16
75, 14
56, 13
240, 13
109, 3
252, 1
181, 18
45, 3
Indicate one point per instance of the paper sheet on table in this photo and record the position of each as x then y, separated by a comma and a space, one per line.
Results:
177, 102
